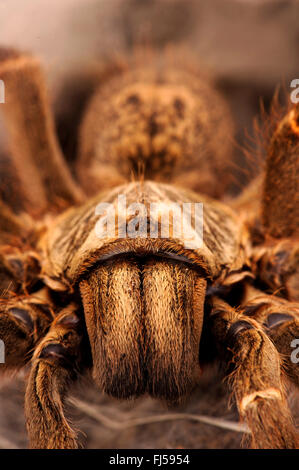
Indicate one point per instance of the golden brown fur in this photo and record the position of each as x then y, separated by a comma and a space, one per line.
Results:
143, 314
144, 326
32, 137
281, 186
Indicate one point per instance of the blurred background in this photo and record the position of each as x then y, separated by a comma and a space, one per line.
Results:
251, 47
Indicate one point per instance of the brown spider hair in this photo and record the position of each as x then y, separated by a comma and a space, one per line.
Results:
144, 314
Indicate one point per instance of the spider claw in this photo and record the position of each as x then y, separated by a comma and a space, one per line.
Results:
275, 319
70, 320
17, 266
54, 351
236, 328
22, 315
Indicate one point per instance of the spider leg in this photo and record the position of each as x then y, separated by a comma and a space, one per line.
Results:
280, 319
24, 318
10, 223
277, 266
280, 208
34, 150
55, 365
256, 377
23, 321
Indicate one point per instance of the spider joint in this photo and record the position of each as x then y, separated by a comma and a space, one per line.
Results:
251, 399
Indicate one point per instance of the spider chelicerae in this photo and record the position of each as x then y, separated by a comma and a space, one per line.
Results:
144, 314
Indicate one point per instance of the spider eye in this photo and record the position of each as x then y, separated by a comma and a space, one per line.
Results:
133, 99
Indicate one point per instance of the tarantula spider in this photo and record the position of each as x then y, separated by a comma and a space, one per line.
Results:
143, 314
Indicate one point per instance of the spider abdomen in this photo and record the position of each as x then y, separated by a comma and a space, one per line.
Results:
161, 120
